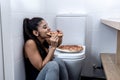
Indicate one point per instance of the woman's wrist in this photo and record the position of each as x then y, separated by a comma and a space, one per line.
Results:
51, 47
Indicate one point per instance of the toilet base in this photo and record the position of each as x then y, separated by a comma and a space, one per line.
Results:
74, 68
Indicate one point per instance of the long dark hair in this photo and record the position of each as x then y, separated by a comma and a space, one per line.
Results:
28, 26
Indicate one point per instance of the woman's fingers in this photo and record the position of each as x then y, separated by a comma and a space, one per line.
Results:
59, 31
54, 41
55, 35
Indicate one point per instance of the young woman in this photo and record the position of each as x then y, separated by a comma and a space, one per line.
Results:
39, 49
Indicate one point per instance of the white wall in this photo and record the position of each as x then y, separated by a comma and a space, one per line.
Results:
21, 9
12, 14
99, 38
7, 40
1, 51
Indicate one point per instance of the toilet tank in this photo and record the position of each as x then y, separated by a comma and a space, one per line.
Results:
73, 28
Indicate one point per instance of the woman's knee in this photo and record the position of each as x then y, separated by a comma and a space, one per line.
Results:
51, 69
53, 65
59, 61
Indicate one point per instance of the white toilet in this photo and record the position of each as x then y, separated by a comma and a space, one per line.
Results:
73, 28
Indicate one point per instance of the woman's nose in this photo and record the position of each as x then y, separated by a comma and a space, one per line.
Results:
49, 29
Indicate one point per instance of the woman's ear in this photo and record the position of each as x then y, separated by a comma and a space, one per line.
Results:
35, 32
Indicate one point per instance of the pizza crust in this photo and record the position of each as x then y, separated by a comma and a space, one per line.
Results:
52, 33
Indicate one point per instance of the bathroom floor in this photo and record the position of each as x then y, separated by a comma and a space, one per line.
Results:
89, 73
94, 75
87, 78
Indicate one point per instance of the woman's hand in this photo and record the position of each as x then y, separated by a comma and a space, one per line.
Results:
60, 33
54, 40
60, 37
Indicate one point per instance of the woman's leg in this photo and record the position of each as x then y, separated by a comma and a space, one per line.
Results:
49, 72
62, 69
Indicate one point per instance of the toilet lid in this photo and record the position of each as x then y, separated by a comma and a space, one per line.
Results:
79, 55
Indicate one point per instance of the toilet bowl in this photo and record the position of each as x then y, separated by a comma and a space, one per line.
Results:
73, 28
64, 55
73, 62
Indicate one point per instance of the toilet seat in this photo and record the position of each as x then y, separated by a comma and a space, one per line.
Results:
80, 55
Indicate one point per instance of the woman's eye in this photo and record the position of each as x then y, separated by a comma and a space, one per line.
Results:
44, 26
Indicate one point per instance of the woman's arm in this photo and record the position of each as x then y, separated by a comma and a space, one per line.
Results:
53, 41
33, 55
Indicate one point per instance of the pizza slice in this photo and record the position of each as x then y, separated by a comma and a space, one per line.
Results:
71, 48
54, 32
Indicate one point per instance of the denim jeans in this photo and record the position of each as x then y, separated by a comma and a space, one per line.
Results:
53, 70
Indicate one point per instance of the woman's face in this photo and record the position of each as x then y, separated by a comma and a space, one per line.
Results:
43, 29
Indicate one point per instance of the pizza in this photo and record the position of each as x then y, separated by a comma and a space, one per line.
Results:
54, 32
71, 48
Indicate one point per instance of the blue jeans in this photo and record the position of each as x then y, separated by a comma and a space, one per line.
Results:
53, 70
